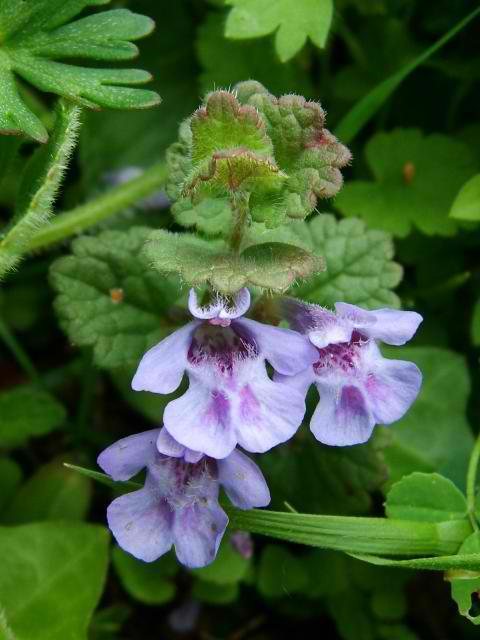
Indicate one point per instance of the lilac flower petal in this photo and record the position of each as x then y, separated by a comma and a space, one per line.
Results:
392, 388
141, 524
388, 325
267, 413
201, 420
287, 351
342, 417
243, 481
168, 446
301, 382
125, 458
198, 531
322, 326
161, 369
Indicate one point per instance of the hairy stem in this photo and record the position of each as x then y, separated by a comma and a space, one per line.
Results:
472, 483
73, 222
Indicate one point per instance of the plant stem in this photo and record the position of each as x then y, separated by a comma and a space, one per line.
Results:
20, 355
378, 536
471, 483
90, 214
241, 213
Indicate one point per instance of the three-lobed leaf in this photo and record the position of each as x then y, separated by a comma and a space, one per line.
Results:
292, 21
405, 164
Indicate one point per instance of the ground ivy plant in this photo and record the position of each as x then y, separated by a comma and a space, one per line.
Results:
222, 340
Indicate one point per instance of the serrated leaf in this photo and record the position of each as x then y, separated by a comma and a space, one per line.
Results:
54, 492
425, 497
109, 297
466, 205
149, 583
51, 580
359, 266
272, 266
36, 34
405, 164
41, 180
293, 22
466, 584
26, 412
434, 435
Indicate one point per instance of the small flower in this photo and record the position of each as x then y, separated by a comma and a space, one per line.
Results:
231, 399
358, 387
178, 504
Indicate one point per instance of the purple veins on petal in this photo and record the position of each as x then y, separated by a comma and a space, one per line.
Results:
358, 387
230, 399
178, 505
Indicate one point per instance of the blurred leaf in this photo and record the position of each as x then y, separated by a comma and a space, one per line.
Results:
226, 62
475, 329
315, 478
405, 164
148, 582
10, 478
40, 183
34, 33
434, 435
229, 567
292, 21
213, 593
466, 205
106, 623
52, 493
466, 584
51, 580
426, 497
110, 298
280, 574
359, 263
119, 139
26, 412
364, 110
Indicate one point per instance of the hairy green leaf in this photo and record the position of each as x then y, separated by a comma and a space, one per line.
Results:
272, 266
51, 580
292, 21
358, 260
109, 297
35, 33
405, 164
464, 583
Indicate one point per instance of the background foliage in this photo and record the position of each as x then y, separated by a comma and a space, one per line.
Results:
79, 312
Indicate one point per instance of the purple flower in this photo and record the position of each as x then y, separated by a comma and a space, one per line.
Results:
358, 387
231, 399
178, 504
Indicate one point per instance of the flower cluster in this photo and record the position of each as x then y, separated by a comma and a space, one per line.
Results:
234, 400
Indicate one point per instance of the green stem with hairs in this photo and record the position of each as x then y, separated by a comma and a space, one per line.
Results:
73, 222
241, 212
